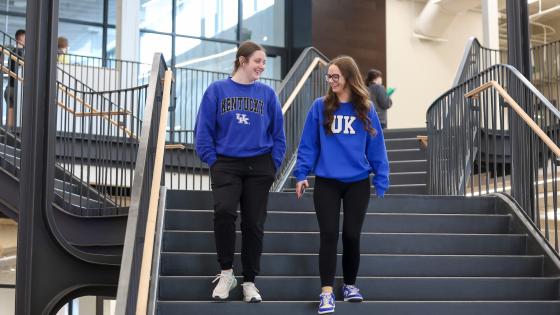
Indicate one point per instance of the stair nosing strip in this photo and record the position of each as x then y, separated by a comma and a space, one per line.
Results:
527, 257
532, 278
369, 213
363, 233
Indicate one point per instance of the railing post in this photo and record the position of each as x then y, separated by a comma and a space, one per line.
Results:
37, 173
522, 144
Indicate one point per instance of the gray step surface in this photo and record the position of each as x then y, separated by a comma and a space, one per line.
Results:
402, 143
406, 189
199, 288
408, 166
403, 133
205, 264
366, 308
406, 154
201, 220
280, 201
371, 243
394, 178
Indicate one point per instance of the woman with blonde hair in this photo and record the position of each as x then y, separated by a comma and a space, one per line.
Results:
342, 143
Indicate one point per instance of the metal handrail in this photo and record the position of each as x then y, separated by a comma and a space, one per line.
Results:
508, 141
147, 176
306, 72
513, 104
317, 61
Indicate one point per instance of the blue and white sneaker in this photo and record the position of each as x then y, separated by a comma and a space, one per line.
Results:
351, 293
326, 304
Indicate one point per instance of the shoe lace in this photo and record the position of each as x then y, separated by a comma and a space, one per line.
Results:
352, 289
220, 277
326, 298
250, 286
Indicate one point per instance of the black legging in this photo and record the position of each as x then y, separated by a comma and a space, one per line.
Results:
327, 195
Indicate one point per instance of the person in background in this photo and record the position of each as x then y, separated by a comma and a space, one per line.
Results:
63, 50
381, 99
342, 143
239, 133
16, 60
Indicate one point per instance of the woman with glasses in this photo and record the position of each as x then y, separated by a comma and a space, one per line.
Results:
239, 133
342, 143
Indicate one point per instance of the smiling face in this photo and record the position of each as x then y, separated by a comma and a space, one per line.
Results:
335, 79
255, 65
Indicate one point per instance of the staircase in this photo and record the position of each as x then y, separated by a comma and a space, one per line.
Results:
420, 255
407, 163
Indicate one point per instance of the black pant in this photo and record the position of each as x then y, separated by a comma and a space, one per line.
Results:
327, 196
245, 182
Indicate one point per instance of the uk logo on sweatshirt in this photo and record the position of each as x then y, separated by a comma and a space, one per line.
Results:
242, 119
343, 124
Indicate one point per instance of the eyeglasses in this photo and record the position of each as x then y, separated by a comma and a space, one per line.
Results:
333, 77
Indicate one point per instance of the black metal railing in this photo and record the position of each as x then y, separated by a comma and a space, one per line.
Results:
481, 146
96, 140
545, 68
304, 83
105, 74
476, 59
142, 188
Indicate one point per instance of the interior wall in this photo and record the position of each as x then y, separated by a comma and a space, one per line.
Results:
355, 28
7, 301
421, 70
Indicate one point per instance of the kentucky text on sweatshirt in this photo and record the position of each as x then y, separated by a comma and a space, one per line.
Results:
239, 120
349, 154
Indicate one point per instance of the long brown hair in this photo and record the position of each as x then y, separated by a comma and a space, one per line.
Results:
245, 50
359, 95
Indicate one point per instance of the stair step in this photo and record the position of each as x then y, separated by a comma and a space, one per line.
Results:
409, 189
403, 133
366, 307
409, 166
291, 288
402, 189
402, 143
395, 179
205, 264
281, 201
406, 154
373, 243
201, 220
408, 178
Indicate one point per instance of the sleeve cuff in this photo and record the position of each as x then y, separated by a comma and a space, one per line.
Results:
380, 193
211, 161
299, 178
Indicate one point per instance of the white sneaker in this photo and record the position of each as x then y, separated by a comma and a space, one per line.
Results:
251, 293
227, 283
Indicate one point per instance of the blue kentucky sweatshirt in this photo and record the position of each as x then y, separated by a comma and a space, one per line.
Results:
239, 120
349, 154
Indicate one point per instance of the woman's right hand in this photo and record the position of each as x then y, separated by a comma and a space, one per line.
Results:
300, 188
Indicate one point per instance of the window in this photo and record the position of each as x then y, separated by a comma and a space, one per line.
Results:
263, 22
83, 40
208, 19
152, 43
156, 15
83, 10
204, 55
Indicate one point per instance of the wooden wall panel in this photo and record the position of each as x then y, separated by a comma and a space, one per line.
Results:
351, 27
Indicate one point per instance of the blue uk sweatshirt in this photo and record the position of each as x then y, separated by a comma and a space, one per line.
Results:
349, 154
239, 120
